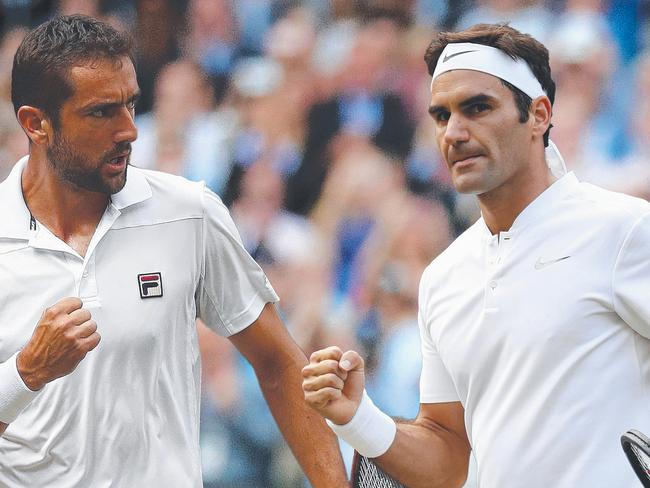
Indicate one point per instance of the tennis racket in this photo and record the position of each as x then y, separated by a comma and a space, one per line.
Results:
637, 449
366, 474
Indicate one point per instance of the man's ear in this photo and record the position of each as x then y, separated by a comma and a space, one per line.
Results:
35, 124
542, 111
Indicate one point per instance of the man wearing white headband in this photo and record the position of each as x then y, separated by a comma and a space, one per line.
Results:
535, 321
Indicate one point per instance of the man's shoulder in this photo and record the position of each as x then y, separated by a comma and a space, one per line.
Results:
611, 207
172, 197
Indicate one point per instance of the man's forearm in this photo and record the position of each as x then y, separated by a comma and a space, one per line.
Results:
311, 441
424, 455
3, 427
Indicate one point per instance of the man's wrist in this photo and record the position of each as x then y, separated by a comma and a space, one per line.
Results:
30, 378
370, 432
15, 395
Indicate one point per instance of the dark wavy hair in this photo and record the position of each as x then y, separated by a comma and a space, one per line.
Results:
42, 63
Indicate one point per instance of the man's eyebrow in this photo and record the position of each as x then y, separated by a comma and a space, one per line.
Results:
94, 105
468, 102
480, 98
437, 109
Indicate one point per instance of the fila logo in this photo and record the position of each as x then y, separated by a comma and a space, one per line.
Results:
150, 285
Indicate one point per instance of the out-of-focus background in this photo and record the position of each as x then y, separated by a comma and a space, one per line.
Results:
309, 119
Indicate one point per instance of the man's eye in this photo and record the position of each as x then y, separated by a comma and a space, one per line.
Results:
131, 105
442, 116
100, 112
479, 107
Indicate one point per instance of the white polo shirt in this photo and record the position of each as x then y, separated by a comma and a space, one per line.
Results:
542, 334
164, 253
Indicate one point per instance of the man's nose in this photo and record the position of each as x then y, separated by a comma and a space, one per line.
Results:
126, 130
456, 131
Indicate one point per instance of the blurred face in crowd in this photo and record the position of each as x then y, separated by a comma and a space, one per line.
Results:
91, 143
478, 130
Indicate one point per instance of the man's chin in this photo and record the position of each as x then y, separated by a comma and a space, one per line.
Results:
117, 186
114, 183
469, 186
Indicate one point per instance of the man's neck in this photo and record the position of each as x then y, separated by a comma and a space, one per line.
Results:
501, 206
69, 212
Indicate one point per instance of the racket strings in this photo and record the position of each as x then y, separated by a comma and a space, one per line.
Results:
370, 476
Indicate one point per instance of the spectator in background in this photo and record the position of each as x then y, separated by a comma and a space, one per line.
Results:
10, 42
288, 247
412, 232
361, 180
12, 139
157, 43
361, 107
212, 39
528, 16
184, 134
632, 176
590, 118
271, 121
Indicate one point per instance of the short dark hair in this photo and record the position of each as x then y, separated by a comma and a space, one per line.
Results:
42, 63
515, 44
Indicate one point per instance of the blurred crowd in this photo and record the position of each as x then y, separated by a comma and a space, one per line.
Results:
309, 119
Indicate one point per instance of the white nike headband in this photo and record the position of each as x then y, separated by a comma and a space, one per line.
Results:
490, 60
493, 61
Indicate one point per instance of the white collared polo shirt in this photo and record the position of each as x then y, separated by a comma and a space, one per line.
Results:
164, 253
542, 334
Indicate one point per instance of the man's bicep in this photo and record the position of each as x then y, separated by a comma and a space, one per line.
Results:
630, 278
449, 416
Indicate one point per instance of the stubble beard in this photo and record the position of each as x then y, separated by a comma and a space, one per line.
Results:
72, 168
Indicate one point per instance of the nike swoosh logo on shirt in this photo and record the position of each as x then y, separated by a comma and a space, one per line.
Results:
541, 264
449, 56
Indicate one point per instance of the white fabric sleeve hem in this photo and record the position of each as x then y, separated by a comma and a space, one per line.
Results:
14, 394
370, 432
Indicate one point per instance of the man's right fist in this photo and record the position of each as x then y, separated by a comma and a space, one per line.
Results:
62, 338
333, 383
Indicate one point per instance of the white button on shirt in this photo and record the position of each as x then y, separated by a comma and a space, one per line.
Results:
128, 415
547, 350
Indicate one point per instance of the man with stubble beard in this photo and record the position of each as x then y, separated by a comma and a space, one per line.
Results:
91, 246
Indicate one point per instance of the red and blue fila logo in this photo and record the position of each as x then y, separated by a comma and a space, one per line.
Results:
150, 285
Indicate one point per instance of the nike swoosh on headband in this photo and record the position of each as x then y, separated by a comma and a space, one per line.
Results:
449, 56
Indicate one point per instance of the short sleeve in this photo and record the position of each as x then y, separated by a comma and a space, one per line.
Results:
631, 278
436, 385
232, 289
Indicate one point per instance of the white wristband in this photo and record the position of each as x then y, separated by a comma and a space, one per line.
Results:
370, 432
14, 394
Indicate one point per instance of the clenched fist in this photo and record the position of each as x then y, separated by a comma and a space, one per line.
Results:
333, 383
62, 338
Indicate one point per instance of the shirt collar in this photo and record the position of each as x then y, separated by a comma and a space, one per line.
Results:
136, 189
545, 204
15, 216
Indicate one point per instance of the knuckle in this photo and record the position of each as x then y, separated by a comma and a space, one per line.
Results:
49, 313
